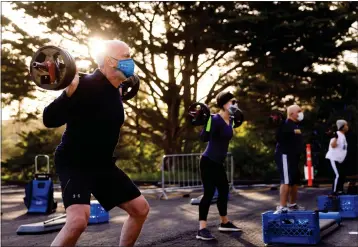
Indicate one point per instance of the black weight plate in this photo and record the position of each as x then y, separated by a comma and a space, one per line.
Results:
70, 72
51, 53
129, 92
198, 114
238, 118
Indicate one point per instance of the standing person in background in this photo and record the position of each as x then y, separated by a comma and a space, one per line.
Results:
289, 148
337, 153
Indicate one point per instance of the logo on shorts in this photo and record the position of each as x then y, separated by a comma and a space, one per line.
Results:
78, 196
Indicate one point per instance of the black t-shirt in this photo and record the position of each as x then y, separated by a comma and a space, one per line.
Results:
288, 142
94, 115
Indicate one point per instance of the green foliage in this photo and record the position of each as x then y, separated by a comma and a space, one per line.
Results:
15, 79
252, 158
32, 143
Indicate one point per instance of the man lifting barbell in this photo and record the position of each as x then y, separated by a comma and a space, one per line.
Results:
92, 108
218, 131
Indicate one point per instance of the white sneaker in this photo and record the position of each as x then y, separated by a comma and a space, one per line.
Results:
280, 209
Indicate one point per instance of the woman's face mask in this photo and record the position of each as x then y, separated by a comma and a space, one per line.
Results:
232, 107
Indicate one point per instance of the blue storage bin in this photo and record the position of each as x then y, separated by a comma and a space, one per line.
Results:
97, 213
348, 205
325, 203
301, 227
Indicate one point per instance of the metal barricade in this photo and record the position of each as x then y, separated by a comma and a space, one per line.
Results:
181, 172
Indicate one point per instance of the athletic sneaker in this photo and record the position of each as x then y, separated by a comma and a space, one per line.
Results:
295, 207
229, 227
204, 234
280, 209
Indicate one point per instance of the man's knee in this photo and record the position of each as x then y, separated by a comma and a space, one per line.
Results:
77, 218
76, 225
137, 208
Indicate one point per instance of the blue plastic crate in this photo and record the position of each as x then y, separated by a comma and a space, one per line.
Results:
301, 227
325, 203
97, 213
348, 205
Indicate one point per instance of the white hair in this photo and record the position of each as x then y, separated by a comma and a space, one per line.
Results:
105, 49
291, 109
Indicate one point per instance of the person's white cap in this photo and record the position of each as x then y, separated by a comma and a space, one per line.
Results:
340, 123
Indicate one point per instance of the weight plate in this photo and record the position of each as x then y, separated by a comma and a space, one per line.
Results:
51, 68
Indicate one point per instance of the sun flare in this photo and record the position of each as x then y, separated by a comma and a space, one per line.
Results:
94, 46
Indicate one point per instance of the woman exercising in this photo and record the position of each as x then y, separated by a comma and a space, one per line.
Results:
218, 131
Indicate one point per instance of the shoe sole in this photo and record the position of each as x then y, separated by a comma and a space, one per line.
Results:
202, 238
222, 229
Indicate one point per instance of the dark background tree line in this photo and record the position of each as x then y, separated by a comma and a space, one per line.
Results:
264, 50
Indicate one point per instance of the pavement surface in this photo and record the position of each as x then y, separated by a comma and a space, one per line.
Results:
172, 222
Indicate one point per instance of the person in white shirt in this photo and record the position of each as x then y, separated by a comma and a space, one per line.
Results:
337, 154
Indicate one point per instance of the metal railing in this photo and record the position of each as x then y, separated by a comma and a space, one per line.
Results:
181, 172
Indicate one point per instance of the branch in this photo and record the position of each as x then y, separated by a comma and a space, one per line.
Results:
157, 138
211, 92
138, 19
181, 68
146, 71
215, 60
154, 121
151, 43
155, 99
153, 96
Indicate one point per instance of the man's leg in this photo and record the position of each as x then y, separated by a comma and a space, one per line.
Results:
76, 222
76, 198
282, 164
113, 188
294, 174
293, 191
137, 210
284, 191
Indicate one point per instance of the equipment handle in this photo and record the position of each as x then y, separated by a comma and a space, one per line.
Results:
48, 162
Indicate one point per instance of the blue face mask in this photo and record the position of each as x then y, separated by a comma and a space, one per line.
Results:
126, 67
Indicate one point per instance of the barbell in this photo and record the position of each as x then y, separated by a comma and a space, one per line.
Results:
53, 68
199, 113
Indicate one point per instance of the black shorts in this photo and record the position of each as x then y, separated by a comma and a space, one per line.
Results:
109, 185
288, 166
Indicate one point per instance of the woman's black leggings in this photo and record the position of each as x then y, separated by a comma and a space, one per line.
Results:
213, 175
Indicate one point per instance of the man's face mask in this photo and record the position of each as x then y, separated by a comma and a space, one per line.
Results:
300, 116
126, 66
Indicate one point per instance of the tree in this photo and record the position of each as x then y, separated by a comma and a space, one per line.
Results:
285, 41
188, 40
16, 84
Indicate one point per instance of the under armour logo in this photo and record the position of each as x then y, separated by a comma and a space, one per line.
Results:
78, 195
